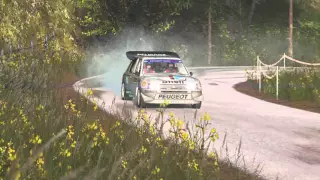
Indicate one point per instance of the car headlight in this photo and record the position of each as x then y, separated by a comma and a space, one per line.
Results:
144, 84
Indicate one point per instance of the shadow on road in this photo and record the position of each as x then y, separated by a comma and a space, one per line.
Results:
173, 106
309, 152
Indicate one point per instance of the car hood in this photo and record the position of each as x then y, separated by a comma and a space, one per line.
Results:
171, 79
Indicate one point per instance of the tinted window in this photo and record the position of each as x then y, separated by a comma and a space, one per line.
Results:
129, 67
138, 67
134, 63
151, 66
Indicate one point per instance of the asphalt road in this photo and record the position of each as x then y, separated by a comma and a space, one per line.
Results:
285, 141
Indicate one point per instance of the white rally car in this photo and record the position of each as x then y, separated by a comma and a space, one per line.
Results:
153, 77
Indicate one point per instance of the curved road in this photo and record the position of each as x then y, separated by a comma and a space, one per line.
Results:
285, 141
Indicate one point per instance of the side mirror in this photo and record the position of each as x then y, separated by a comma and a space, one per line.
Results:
191, 73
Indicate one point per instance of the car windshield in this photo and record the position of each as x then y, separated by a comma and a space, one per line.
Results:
151, 66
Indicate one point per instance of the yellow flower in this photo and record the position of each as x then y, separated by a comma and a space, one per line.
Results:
95, 107
40, 162
193, 164
124, 164
192, 145
66, 106
40, 107
102, 134
73, 145
11, 153
155, 170
18, 176
66, 153
152, 130
212, 155
70, 132
184, 135
206, 117
179, 124
214, 135
36, 140
143, 150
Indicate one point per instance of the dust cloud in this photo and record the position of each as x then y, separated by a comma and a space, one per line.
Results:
110, 59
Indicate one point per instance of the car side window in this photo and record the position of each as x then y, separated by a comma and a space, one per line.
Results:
129, 67
138, 68
133, 67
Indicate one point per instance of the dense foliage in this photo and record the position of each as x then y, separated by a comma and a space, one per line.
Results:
241, 29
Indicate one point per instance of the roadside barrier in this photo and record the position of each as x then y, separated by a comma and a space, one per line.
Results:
261, 72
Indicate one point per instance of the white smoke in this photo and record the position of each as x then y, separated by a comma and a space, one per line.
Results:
110, 59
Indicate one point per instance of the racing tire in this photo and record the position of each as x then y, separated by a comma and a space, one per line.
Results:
139, 100
196, 106
124, 95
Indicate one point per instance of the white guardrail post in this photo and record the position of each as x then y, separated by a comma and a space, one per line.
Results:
277, 81
257, 76
284, 61
259, 64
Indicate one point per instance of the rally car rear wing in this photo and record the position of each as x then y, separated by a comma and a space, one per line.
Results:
132, 55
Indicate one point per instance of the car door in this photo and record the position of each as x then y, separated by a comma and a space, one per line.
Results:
134, 78
126, 76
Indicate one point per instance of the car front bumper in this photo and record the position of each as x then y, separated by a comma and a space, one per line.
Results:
151, 98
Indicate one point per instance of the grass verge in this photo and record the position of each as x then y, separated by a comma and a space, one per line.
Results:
297, 89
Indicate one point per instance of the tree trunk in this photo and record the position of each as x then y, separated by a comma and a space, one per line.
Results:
209, 34
291, 29
230, 19
240, 21
253, 7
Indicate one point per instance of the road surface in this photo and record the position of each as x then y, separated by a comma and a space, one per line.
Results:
285, 141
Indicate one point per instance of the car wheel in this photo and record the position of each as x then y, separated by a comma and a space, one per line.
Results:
196, 106
139, 101
123, 92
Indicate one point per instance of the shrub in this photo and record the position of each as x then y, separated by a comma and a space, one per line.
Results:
295, 85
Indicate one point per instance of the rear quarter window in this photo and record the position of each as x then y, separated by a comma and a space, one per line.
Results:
129, 67
134, 64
